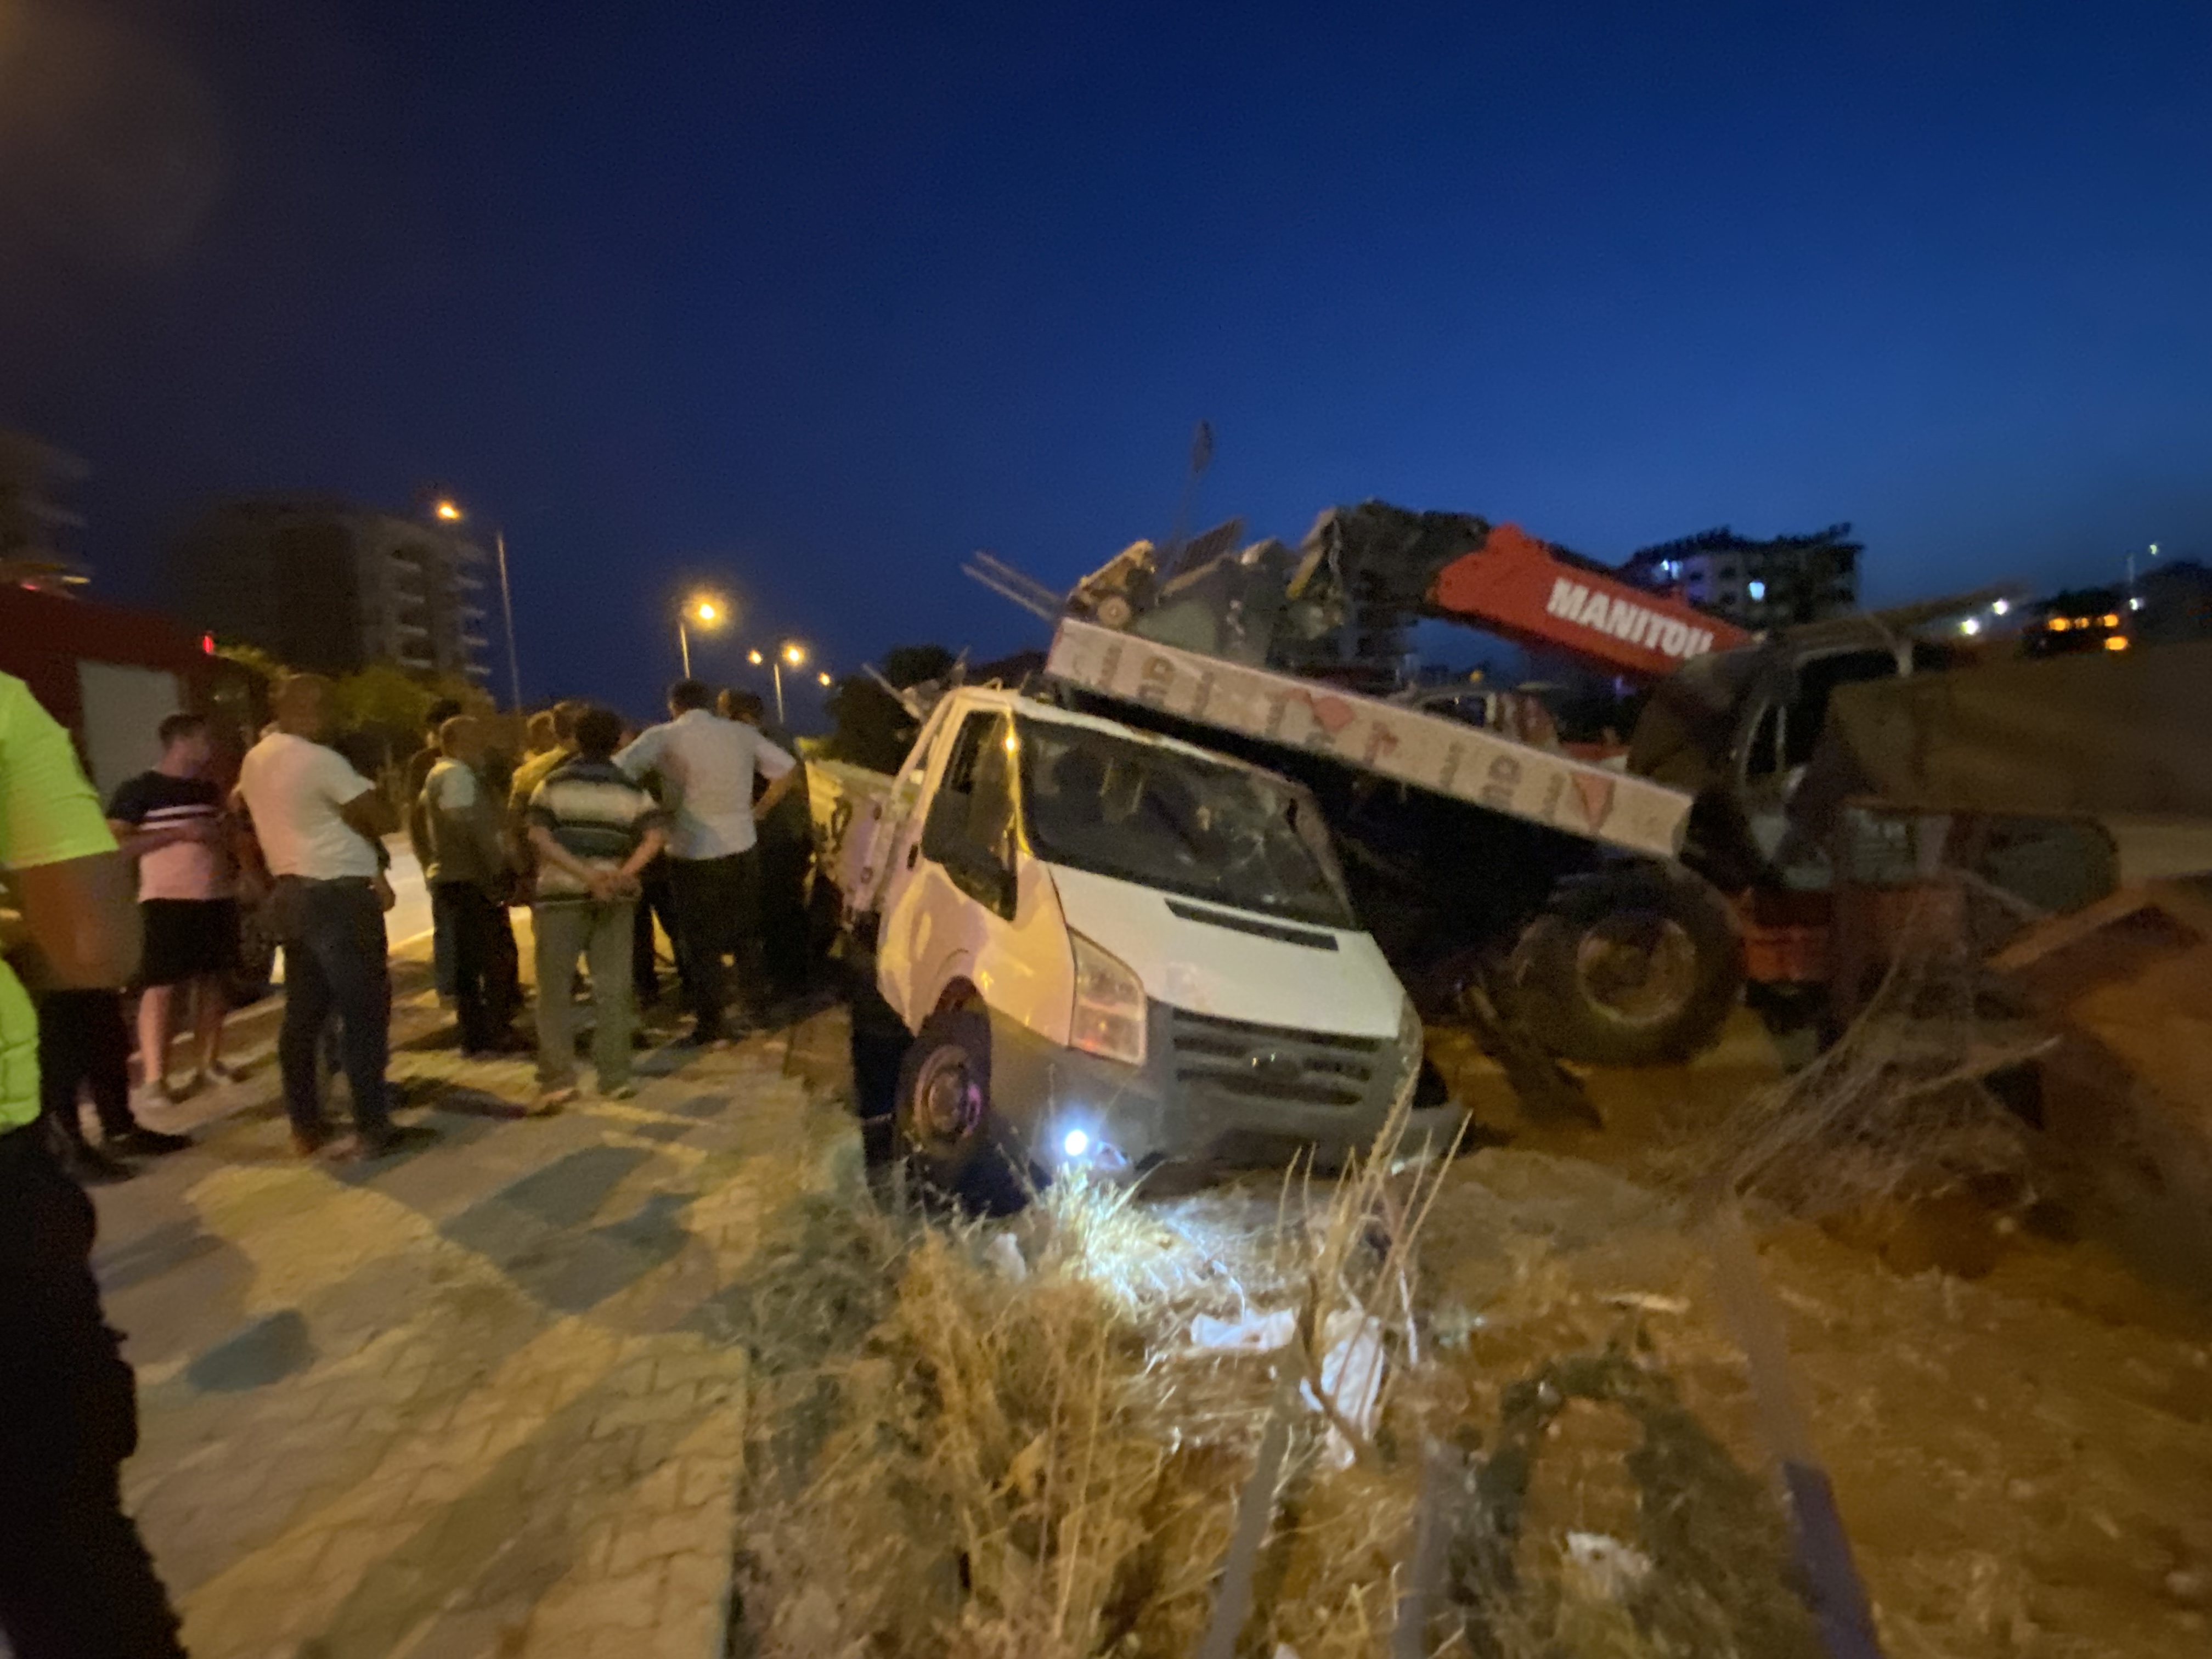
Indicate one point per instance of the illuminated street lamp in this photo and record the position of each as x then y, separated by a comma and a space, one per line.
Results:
822, 677
446, 510
792, 652
702, 611
754, 657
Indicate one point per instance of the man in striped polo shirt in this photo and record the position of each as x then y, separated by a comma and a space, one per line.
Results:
594, 830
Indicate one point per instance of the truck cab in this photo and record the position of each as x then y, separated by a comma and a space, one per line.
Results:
1115, 951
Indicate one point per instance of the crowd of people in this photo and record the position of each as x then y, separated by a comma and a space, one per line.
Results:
601, 833
697, 827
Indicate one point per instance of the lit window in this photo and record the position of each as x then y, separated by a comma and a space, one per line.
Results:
1757, 590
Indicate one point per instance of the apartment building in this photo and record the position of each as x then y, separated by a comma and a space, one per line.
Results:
329, 585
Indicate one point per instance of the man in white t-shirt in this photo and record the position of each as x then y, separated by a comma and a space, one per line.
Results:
321, 826
707, 765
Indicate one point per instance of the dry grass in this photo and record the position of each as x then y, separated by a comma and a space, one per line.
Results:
964, 1455
1896, 1110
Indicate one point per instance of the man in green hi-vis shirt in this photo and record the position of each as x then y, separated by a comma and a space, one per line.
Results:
75, 1582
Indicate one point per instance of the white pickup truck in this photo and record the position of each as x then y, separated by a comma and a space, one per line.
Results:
1114, 950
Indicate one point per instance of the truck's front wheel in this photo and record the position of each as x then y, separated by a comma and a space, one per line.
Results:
1635, 966
953, 1142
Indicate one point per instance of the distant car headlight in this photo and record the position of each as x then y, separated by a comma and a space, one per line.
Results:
1109, 1005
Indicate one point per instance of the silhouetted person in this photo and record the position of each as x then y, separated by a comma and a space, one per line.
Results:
419, 773
787, 853
84, 1047
655, 902
469, 880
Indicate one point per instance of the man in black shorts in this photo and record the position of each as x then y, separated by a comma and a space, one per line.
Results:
169, 822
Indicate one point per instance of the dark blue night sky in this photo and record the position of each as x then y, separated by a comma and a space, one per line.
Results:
817, 298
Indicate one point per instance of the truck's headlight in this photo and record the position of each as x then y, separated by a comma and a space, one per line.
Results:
1109, 1005
1411, 1048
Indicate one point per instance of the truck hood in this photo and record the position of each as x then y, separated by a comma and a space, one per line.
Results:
1207, 958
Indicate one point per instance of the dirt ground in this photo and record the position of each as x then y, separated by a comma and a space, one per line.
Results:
2019, 1429
2018, 1426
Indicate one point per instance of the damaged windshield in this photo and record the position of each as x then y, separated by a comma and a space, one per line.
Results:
1165, 818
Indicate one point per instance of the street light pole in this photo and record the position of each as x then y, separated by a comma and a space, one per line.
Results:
447, 510
708, 611
507, 606
792, 652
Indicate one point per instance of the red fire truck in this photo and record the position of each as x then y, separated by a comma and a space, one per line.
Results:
111, 675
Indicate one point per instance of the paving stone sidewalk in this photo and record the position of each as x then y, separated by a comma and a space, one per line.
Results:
470, 1401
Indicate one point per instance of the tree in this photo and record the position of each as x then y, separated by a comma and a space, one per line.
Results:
870, 728
252, 657
387, 706
384, 695
380, 709
910, 665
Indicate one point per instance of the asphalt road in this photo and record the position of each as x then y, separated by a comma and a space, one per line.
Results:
409, 919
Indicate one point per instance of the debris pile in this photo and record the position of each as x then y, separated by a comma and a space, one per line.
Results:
1901, 1110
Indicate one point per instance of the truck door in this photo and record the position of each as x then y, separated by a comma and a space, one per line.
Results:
874, 847
953, 877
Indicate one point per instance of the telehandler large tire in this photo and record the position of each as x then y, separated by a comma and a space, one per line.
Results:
1639, 964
